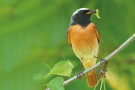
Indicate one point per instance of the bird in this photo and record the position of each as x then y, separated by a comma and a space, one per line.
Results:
84, 39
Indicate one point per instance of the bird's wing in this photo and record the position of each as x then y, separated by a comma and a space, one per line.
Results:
97, 34
69, 37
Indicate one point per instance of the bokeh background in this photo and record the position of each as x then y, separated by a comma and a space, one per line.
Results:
33, 39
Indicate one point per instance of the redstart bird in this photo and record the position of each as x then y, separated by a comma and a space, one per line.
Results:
84, 39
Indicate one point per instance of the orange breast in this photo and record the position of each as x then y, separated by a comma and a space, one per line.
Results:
84, 40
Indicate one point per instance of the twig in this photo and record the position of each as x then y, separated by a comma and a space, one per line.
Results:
103, 61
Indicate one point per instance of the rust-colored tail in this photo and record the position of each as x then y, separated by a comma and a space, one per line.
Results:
92, 78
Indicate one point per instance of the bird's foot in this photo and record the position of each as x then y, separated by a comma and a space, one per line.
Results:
103, 69
80, 72
79, 75
101, 59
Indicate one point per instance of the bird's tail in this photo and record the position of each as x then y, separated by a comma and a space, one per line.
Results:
91, 76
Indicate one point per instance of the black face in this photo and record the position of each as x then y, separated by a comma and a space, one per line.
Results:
81, 16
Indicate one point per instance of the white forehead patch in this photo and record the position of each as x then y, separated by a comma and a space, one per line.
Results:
79, 10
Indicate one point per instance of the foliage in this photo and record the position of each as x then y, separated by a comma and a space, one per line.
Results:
33, 40
63, 68
56, 84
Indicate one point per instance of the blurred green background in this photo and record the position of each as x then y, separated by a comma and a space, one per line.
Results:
33, 40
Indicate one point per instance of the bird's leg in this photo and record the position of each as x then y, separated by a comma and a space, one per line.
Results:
101, 59
81, 65
80, 70
104, 64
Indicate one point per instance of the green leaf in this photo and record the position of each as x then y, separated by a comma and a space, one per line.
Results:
63, 68
56, 84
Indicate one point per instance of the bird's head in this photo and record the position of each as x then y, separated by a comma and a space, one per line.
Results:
81, 16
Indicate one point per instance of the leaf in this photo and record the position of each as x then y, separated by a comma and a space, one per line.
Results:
63, 68
56, 84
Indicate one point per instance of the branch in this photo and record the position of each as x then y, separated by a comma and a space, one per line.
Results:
103, 61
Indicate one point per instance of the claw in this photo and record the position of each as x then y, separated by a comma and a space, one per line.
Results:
80, 70
79, 75
99, 58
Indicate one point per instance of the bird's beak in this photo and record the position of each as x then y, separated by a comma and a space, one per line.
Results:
95, 12
91, 12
